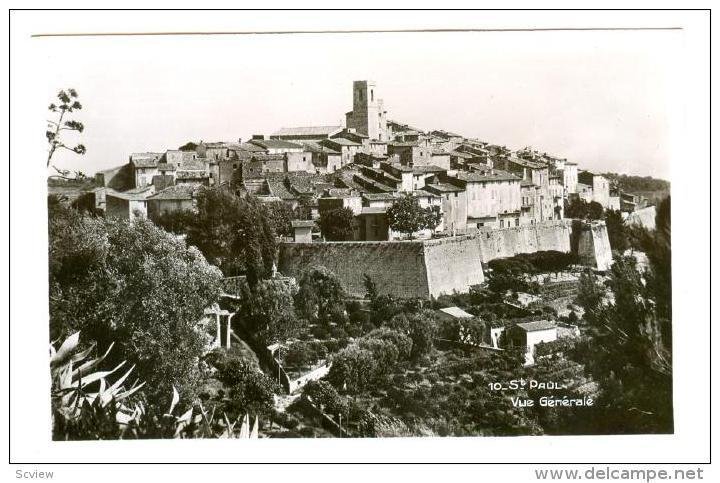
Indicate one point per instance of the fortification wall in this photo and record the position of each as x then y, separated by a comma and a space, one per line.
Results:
644, 217
396, 267
425, 268
453, 264
418, 268
592, 245
508, 242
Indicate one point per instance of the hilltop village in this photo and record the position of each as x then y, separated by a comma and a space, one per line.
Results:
420, 271
365, 165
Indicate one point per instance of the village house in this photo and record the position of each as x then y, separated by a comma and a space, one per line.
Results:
490, 193
347, 149
128, 205
302, 230
275, 146
412, 153
453, 205
599, 185
144, 167
529, 334
171, 199
400, 130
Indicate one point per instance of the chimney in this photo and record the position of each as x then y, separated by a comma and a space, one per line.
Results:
239, 140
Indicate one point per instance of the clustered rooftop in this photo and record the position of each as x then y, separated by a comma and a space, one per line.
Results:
368, 163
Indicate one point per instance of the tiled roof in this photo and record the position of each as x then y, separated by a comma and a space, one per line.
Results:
307, 131
537, 325
193, 174
251, 147
378, 196
427, 169
447, 134
526, 163
460, 154
404, 126
274, 144
302, 223
276, 184
375, 210
456, 312
177, 192
145, 163
489, 175
442, 188
135, 194
341, 142
318, 148
191, 165
267, 157
404, 144
165, 167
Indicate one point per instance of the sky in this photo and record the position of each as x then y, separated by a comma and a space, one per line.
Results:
600, 98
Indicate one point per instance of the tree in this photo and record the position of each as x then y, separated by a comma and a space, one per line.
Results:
268, 311
188, 146
326, 397
595, 210
245, 388
407, 216
280, 215
177, 222
401, 341
234, 233
133, 284
353, 369
630, 355
590, 293
581, 209
67, 104
617, 231
421, 327
321, 296
337, 224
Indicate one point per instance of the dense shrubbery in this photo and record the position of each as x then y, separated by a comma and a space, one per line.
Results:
583, 210
304, 353
137, 286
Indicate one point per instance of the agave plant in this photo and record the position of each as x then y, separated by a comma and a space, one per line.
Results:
76, 383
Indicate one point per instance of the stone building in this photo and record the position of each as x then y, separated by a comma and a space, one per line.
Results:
368, 115
144, 167
323, 158
453, 205
412, 153
489, 194
307, 133
600, 187
275, 146
128, 205
530, 334
169, 200
347, 149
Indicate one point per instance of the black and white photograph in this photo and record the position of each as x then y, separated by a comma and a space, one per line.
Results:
313, 226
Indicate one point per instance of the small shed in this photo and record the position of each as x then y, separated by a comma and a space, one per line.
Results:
302, 230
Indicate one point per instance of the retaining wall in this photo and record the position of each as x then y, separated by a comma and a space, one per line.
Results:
429, 268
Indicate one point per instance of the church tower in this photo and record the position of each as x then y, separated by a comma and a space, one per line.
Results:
368, 115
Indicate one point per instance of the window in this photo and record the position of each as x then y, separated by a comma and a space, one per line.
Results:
372, 95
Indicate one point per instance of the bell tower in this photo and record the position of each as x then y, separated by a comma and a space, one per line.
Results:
368, 115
